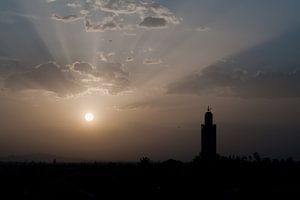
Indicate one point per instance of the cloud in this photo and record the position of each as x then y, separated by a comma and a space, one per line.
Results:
114, 76
129, 34
108, 76
110, 54
153, 22
102, 57
120, 7
240, 83
74, 5
84, 12
112, 71
108, 24
150, 103
129, 59
268, 70
270, 85
68, 18
105, 57
136, 105
83, 67
162, 12
69, 80
152, 61
49, 1
116, 15
48, 77
202, 29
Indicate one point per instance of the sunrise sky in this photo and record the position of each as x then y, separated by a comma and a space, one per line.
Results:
147, 70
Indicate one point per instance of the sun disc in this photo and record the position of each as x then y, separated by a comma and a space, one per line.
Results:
89, 117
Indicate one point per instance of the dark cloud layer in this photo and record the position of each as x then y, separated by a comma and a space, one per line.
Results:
65, 80
44, 77
268, 70
83, 67
279, 54
153, 22
68, 18
241, 83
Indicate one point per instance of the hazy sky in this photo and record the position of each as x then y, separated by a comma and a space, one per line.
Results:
148, 70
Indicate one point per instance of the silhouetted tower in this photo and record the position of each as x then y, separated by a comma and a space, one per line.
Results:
208, 137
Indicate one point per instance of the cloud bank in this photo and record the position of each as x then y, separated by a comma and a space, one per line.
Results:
48, 77
113, 15
70, 80
241, 83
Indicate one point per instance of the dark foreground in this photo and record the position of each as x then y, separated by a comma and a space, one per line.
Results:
227, 178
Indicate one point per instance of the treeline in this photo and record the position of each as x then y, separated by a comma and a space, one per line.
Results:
232, 177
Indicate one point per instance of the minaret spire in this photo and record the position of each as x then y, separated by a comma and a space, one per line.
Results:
208, 108
208, 136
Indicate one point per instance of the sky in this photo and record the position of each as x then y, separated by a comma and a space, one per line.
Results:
147, 70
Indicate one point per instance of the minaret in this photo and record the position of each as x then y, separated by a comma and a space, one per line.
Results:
208, 137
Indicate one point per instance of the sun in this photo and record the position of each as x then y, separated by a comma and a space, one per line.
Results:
89, 117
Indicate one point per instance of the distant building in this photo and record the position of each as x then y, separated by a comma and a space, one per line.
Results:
208, 137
